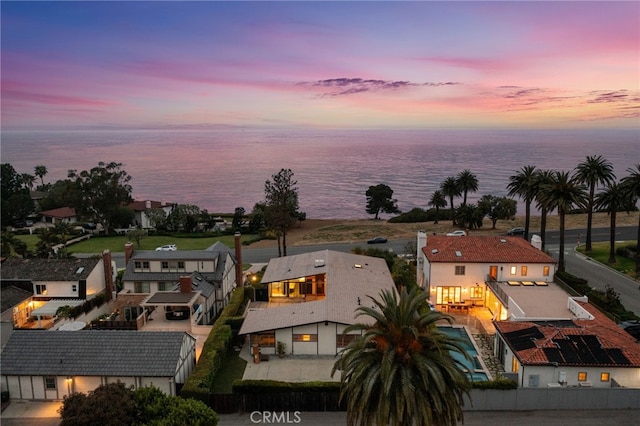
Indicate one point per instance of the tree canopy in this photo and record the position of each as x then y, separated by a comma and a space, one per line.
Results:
380, 200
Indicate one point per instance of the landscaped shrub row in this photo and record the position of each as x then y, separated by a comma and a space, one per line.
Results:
628, 251
213, 351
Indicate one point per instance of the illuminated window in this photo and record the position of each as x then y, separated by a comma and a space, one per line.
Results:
604, 377
515, 365
49, 382
278, 289
582, 376
41, 289
476, 292
513, 270
305, 338
460, 270
523, 271
545, 271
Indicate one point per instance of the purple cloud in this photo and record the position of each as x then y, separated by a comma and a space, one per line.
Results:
352, 86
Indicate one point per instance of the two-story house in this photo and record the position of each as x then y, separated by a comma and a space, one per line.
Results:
212, 274
462, 270
55, 283
312, 299
140, 209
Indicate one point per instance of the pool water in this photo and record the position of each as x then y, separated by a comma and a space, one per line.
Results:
474, 368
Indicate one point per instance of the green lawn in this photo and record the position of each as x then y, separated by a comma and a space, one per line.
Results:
233, 370
116, 244
600, 253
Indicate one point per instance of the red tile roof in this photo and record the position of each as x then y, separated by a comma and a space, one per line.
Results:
483, 249
608, 333
60, 213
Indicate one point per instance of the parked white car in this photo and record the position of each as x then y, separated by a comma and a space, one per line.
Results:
457, 234
167, 247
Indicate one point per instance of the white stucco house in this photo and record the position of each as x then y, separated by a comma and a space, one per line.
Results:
56, 282
45, 365
460, 271
312, 299
140, 208
157, 274
589, 350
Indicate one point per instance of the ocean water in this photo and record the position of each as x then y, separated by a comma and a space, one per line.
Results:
220, 170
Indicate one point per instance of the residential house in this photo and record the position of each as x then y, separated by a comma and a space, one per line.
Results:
54, 283
211, 275
62, 214
589, 350
312, 299
11, 296
140, 209
458, 270
49, 365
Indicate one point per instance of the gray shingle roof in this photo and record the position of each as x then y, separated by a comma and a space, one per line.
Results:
11, 296
93, 353
36, 269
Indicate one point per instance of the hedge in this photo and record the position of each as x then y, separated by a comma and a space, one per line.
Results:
499, 384
274, 386
199, 382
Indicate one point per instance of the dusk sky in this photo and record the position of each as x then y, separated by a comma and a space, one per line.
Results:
531, 65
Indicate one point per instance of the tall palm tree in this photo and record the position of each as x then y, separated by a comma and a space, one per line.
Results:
451, 189
612, 199
631, 185
543, 177
28, 180
437, 201
401, 371
593, 171
41, 171
563, 193
467, 182
523, 185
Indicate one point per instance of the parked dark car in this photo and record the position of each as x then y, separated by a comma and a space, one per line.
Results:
377, 240
516, 231
177, 312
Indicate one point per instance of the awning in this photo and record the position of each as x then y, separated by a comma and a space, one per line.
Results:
50, 308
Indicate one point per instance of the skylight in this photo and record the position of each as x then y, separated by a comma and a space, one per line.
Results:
458, 253
79, 270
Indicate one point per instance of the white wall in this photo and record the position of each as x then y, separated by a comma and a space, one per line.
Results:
305, 348
327, 338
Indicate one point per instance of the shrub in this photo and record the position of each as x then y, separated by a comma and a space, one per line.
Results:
500, 384
274, 386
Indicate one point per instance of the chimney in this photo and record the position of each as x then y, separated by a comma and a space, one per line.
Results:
128, 252
147, 204
108, 274
238, 247
185, 284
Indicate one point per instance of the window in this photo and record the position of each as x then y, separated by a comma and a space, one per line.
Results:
50, 383
604, 377
181, 264
266, 339
137, 264
145, 264
74, 288
476, 292
305, 338
545, 271
278, 289
514, 270
164, 286
41, 289
515, 365
165, 265
460, 270
582, 376
523, 271
447, 295
140, 287
343, 340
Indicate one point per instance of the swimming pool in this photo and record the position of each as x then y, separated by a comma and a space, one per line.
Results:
475, 370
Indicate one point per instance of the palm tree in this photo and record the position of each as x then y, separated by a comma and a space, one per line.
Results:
438, 201
47, 238
63, 229
543, 177
28, 180
523, 185
451, 189
40, 171
562, 193
401, 371
467, 181
631, 185
593, 171
613, 199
